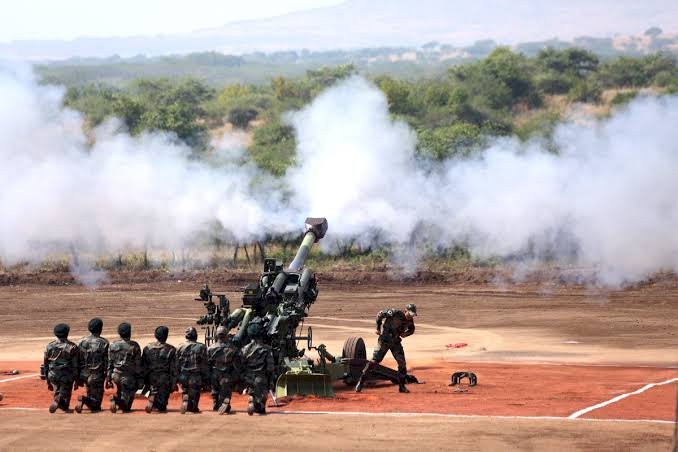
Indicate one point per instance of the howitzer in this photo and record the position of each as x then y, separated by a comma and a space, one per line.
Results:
281, 300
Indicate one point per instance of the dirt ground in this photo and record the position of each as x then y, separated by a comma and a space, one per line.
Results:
542, 351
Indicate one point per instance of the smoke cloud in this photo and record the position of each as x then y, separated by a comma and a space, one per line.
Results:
606, 202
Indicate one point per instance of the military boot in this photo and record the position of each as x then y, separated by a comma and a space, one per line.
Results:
53, 407
114, 405
250, 407
184, 404
149, 405
402, 388
81, 402
225, 407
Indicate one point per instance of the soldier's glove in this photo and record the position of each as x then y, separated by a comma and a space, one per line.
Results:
378, 332
50, 387
108, 384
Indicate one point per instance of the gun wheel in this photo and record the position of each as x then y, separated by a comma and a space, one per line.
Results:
354, 348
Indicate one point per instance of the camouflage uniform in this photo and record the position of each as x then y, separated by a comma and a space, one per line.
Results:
61, 367
124, 369
223, 360
395, 327
257, 369
192, 370
93, 366
392, 326
159, 361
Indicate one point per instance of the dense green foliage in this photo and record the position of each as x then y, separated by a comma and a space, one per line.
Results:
453, 113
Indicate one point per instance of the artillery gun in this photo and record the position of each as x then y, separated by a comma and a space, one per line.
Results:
281, 300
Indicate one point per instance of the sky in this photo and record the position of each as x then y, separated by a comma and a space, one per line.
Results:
69, 19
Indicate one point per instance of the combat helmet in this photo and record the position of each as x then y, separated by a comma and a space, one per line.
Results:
411, 309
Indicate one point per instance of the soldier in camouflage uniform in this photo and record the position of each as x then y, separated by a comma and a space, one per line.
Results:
159, 362
124, 369
61, 368
396, 325
257, 368
192, 371
93, 366
223, 360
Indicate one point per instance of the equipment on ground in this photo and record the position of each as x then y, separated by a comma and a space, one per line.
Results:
457, 376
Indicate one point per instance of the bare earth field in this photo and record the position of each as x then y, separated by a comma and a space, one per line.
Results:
559, 368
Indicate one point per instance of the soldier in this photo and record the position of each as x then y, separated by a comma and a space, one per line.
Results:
93, 366
124, 369
396, 325
223, 360
257, 368
61, 368
159, 362
192, 365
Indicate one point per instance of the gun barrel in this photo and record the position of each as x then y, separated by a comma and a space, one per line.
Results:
315, 230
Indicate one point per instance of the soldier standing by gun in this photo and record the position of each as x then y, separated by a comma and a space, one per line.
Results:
396, 325
223, 360
159, 362
124, 369
192, 364
258, 367
93, 366
60, 368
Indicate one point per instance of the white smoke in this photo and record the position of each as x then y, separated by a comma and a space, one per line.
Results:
606, 202
122, 192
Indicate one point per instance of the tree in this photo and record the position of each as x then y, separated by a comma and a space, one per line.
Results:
653, 32
459, 139
398, 95
273, 147
241, 117
587, 90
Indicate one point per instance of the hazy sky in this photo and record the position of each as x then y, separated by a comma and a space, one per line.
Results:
68, 19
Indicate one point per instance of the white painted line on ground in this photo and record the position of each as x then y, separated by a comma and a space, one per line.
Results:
439, 415
579, 413
19, 378
469, 416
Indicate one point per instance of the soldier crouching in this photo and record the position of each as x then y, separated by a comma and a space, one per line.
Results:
93, 366
159, 362
396, 325
124, 369
192, 374
61, 368
257, 368
223, 360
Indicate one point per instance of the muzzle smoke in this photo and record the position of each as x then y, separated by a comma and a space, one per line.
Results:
606, 202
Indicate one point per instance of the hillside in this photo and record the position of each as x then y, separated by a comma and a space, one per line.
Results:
362, 23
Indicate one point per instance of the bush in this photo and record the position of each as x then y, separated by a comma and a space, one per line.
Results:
273, 147
459, 139
585, 91
554, 83
623, 98
241, 117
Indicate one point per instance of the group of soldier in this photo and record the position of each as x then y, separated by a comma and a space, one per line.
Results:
157, 370
160, 367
